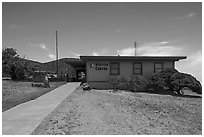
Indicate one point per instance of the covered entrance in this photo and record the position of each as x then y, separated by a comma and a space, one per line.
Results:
79, 70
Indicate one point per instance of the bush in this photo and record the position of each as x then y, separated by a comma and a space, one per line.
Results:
115, 82
123, 83
161, 80
181, 80
172, 80
137, 83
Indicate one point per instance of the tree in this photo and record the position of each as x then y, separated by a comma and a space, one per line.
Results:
161, 80
12, 64
8, 53
17, 72
181, 80
172, 80
9, 56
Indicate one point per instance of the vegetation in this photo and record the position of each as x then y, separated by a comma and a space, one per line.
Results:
173, 81
13, 65
181, 80
15, 93
135, 83
169, 80
19, 68
161, 81
115, 82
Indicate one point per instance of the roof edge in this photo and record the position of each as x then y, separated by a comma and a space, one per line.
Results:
175, 58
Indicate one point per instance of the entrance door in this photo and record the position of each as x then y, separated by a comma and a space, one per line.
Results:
80, 73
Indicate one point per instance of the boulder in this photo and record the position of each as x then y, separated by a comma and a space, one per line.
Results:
86, 86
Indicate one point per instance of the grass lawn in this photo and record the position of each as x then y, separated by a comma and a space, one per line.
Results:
15, 93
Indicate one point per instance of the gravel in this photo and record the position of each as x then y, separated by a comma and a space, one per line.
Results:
103, 112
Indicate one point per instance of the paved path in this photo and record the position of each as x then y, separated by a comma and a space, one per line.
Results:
24, 118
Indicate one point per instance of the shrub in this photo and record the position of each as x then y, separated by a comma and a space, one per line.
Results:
157, 83
115, 81
123, 83
181, 80
161, 80
137, 83
172, 80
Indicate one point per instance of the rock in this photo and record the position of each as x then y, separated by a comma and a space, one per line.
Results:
86, 86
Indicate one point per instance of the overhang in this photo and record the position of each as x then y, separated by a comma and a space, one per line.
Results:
126, 58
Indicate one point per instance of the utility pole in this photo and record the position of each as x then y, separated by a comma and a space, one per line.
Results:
135, 44
56, 54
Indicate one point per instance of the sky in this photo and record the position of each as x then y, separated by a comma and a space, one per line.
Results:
160, 29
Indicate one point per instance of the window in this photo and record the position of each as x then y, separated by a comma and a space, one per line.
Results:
137, 68
173, 65
114, 68
158, 67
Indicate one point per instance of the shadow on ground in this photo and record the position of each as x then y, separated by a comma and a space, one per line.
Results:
167, 92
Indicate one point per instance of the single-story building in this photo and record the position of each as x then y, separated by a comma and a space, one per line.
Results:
99, 68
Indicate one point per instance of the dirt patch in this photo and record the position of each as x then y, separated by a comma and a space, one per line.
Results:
15, 93
100, 112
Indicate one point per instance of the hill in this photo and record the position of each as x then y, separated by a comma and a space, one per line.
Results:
63, 65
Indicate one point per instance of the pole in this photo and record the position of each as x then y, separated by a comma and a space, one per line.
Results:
135, 44
56, 54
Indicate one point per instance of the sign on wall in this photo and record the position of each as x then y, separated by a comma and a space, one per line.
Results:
99, 66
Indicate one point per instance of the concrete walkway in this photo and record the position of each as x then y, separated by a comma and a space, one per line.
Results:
24, 118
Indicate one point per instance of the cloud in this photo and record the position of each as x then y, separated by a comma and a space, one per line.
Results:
192, 65
120, 30
102, 52
41, 45
163, 48
52, 56
14, 26
163, 42
126, 52
196, 58
44, 48
95, 54
160, 50
190, 15
75, 54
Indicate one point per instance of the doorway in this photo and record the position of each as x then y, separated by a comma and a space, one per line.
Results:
80, 74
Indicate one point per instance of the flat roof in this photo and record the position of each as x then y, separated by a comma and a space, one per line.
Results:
172, 58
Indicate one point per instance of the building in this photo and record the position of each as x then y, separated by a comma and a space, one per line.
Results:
99, 68
77, 67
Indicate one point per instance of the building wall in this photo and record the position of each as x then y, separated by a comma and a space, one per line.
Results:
98, 72
169, 64
148, 69
97, 75
100, 85
126, 69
